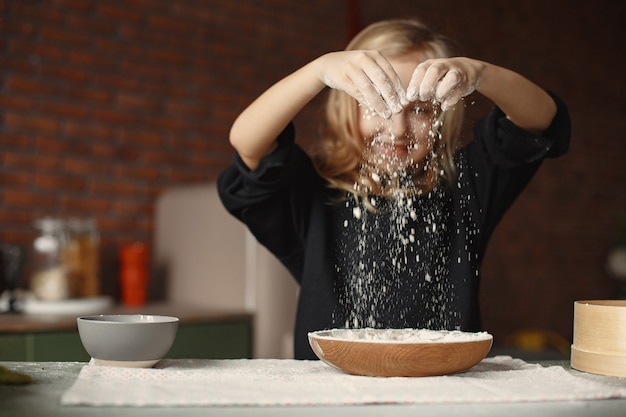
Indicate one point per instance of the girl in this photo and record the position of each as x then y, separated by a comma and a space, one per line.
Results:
386, 223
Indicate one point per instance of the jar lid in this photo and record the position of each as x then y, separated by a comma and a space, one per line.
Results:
49, 224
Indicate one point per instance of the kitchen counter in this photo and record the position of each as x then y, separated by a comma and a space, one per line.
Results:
54, 337
52, 379
50, 322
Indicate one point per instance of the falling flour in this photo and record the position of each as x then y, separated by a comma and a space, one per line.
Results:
395, 251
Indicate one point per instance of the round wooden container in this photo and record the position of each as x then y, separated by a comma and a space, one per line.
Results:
599, 344
398, 358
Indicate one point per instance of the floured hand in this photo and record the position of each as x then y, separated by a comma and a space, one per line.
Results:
444, 80
367, 76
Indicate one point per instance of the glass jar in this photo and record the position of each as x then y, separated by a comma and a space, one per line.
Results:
48, 278
82, 257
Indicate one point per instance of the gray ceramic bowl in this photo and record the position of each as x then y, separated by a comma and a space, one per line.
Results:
129, 340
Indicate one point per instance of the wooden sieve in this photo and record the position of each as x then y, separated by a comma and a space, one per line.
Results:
599, 344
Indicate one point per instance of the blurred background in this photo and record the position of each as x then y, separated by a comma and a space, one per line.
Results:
105, 104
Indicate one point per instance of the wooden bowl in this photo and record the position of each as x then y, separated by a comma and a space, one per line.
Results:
599, 344
400, 352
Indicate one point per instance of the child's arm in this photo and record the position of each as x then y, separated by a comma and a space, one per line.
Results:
525, 103
255, 130
447, 80
365, 75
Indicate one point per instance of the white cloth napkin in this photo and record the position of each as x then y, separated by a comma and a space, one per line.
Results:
279, 382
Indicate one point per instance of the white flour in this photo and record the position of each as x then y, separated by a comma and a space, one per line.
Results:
403, 335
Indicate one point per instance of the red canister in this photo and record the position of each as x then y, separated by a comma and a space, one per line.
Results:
134, 274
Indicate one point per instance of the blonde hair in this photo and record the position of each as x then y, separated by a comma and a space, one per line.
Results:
339, 157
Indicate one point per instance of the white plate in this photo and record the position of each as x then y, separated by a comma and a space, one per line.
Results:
79, 306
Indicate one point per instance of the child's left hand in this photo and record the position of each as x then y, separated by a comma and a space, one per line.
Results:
444, 80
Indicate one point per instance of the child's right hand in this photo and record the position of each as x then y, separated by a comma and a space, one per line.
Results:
365, 75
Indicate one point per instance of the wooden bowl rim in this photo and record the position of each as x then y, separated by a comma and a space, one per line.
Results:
318, 336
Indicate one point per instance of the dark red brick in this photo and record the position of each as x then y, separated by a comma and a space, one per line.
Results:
103, 105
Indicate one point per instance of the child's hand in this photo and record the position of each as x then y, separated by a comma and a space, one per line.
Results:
367, 76
444, 80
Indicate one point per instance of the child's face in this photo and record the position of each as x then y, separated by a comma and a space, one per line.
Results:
406, 138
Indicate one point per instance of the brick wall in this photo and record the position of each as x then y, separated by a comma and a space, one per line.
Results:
106, 103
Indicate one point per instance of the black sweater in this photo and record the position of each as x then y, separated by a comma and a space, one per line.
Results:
415, 263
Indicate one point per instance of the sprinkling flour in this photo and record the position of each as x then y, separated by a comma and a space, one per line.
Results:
395, 250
